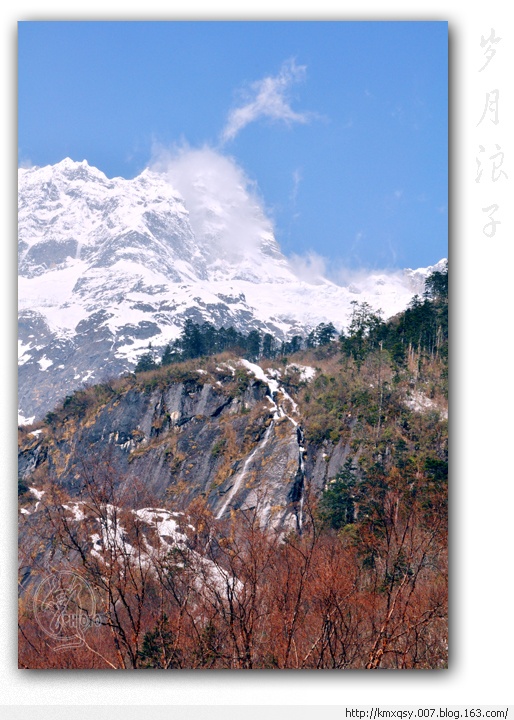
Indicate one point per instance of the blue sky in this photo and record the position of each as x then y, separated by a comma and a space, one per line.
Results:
341, 126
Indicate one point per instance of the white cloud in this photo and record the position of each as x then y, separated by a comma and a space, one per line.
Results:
315, 269
310, 267
225, 209
297, 178
268, 98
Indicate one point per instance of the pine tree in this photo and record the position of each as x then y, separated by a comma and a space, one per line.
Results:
253, 344
146, 361
337, 505
168, 356
268, 346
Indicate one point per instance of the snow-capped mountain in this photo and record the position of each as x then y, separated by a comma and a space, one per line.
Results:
108, 265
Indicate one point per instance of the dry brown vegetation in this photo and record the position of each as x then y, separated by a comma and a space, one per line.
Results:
234, 595
370, 593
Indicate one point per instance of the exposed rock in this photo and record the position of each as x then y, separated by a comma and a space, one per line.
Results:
190, 439
108, 265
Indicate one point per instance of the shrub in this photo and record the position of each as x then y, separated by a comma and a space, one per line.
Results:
218, 447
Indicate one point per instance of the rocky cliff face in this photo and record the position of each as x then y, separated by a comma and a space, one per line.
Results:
238, 435
108, 265
232, 435
227, 440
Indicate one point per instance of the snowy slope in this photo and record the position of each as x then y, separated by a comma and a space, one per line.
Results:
108, 265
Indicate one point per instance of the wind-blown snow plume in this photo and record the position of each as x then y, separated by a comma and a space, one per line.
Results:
297, 179
192, 242
311, 267
268, 98
225, 210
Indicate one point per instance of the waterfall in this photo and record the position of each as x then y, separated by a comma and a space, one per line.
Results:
300, 475
274, 391
241, 475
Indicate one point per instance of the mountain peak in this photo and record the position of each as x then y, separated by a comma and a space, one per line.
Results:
107, 266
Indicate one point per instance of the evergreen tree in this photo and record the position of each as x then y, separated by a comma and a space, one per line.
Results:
158, 648
234, 340
364, 332
295, 344
268, 346
168, 356
253, 344
436, 284
146, 361
190, 341
337, 505
323, 334
423, 327
210, 340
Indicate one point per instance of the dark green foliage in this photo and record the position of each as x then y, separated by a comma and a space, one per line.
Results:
269, 346
23, 488
396, 573
337, 504
433, 495
146, 362
328, 408
322, 335
436, 469
364, 333
209, 646
423, 327
203, 340
191, 341
218, 447
294, 345
400, 451
291, 346
77, 404
242, 379
380, 522
168, 356
253, 345
436, 285
158, 649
